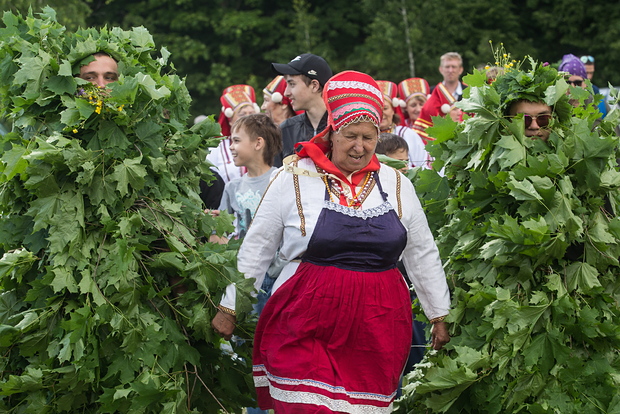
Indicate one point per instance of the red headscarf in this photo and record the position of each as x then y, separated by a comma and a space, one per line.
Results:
350, 97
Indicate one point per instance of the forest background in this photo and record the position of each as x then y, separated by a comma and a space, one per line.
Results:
217, 43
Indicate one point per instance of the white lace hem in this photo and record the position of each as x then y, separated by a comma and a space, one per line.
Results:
309, 397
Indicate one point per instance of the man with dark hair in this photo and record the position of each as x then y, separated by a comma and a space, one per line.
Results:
537, 117
305, 77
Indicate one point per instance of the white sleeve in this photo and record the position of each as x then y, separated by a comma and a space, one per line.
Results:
261, 241
421, 256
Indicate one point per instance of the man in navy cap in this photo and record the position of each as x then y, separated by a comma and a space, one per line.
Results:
305, 77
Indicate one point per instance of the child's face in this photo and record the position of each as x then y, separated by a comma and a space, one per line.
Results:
401, 155
243, 148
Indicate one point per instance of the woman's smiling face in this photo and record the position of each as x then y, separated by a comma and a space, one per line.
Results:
354, 146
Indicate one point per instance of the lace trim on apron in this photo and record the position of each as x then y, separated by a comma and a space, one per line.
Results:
363, 214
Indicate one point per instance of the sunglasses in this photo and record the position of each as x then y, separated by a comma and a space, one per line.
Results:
575, 82
587, 59
541, 120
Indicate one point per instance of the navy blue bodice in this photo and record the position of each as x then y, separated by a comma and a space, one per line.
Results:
361, 240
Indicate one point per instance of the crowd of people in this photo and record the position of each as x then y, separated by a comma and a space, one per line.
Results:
333, 230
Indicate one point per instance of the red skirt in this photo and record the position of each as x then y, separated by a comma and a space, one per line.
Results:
333, 340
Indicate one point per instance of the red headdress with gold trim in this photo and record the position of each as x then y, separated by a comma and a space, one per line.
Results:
409, 88
234, 98
275, 89
390, 92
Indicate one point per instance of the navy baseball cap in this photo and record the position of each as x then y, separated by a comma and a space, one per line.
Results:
313, 66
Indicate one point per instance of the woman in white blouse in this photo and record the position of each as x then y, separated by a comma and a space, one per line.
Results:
335, 335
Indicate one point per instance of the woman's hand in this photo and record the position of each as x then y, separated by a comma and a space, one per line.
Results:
439, 335
224, 324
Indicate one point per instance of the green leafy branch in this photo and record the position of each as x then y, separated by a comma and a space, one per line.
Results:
107, 283
529, 232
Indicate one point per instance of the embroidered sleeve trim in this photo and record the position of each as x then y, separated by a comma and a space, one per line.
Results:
300, 210
400, 207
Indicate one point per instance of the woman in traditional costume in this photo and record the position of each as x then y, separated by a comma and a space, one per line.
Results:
414, 92
392, 115
336, 333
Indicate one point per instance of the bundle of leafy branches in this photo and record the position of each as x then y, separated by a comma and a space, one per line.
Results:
531, 235
107, 287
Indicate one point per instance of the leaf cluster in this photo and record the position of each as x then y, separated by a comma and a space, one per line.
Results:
531, 235
107, 285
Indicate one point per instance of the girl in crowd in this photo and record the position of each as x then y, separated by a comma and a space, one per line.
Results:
390, 124
414, 92
237, 101
275, 104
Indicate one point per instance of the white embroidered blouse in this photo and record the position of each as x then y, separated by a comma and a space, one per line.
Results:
285, 219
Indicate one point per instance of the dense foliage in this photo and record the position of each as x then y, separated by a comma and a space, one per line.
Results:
107, 288
531, 234
218, 43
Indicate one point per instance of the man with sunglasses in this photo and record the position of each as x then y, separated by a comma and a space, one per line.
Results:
575, 69
577, 72
537, 117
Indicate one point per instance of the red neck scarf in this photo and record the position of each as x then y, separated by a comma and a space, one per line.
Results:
317, 148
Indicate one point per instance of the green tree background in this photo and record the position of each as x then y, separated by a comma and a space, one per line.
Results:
216, 43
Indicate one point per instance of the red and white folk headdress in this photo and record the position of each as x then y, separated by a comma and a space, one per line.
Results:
390, 92
234, 98
350, 97
275, 89
411, 87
